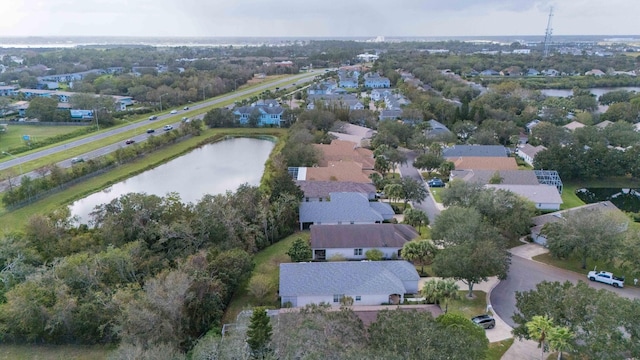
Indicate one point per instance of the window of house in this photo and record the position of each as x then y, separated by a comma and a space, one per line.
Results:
320, 199
358, 298
357, 252
352, 223
306, 199
337, 297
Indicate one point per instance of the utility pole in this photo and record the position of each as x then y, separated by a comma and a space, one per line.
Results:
161, 101
547, 34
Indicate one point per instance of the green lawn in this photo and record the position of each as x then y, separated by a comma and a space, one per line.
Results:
574, 264
267, 262
469, 307
13, 137
437, 194
497, 349
53, 352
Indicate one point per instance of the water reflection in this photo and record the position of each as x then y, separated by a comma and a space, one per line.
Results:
211, 169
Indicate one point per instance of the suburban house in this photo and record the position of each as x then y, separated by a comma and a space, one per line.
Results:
66, 78
321, 190
8, 90
340, 150
595, 72
604, 124
367, 57
390, 114
373, 80
528, 152
353, 241
120, 102
348, 80
511, 177
334, 171
436, 129
366, 282
574, 125
489, 72
354, 133
531, 124
267, 112
540, 221
457, 151
485, 163
345, 101
532, 72
544, 197
380, 94
550, 72
344, 208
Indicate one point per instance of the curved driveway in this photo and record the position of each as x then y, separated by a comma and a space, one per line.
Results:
138, 129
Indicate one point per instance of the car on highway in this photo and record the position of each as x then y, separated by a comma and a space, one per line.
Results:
77, 160
186, 108
152, 117
150, 131
486, 321
167, 127
129, 142
435, 182
173, 112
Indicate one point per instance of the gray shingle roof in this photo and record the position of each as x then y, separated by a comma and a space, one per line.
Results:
531, 150
540, 221
539, 194
343, 207
361, 236
322, 189
345, 277
509, 177
476, 151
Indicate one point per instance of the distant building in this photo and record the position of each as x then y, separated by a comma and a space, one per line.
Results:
267, 112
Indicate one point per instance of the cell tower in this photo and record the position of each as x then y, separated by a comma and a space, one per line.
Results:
547, 34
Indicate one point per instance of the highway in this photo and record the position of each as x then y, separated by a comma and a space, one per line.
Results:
138, 129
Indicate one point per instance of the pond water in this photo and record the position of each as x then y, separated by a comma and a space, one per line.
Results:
210, 169
624, 199
595, 91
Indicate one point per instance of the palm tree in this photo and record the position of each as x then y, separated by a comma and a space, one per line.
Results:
560, 340
438, 291
419, 251
539, 329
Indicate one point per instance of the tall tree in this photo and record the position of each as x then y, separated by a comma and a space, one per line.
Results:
300, 251
259, 334
412, 190
421, 252
438, 291
539, 328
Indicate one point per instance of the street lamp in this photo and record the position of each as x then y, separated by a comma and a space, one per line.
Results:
203, 87
95, 114
19, 164
161, 101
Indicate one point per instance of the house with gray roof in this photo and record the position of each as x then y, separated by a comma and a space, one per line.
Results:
544, 197
507, 177
390, 114
373, 80
436, 129
540, 221
316, 190
369, 283
345, 101
353, 241
267, 112
457, 151
528, 152
344, 208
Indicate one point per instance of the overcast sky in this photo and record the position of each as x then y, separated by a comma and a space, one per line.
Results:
326, 18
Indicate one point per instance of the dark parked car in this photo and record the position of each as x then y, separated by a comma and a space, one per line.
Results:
150, 131
129, 142
435, 182
486, 321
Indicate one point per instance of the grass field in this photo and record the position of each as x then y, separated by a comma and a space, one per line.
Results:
267, 262
52, 352
469, 307
575, 265
497, 349
13, 137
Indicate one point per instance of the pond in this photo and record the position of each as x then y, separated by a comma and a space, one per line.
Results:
210, 169
595, 91
624, 199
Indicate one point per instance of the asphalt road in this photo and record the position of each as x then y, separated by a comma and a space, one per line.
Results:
524, 274
428, 205
137, 130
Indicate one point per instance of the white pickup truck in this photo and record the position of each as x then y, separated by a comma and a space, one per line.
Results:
606, 277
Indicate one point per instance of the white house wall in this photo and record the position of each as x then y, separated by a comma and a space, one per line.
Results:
411, 286
369, 300
547, 206
347, 253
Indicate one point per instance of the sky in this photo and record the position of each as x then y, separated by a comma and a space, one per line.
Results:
321, 18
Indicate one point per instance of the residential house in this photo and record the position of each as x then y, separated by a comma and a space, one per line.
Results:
343, 101
367, 57
66, 78
21, 107
489, 72
511, 71
8, 90
390, 114
340, 150
528, 152
551, 72
436, 129
366, 282
595, 72
354, 133
344, 209
530, 125
376, 81
267, 112
380, 94
352, 242
321, 190
574, 125
511, 177
485, 163
603, 124
532, 72
540, 221
544, 197
334, 171
347, 80
457, 151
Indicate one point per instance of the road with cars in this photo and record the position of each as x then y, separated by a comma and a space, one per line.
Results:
138, 129
428, 205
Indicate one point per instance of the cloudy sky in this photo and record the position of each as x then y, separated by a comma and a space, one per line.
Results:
327, 18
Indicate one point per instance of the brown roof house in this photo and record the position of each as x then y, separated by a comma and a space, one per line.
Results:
574, 125
320, 190
336, 171
485, 163
353, 241
340, 150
